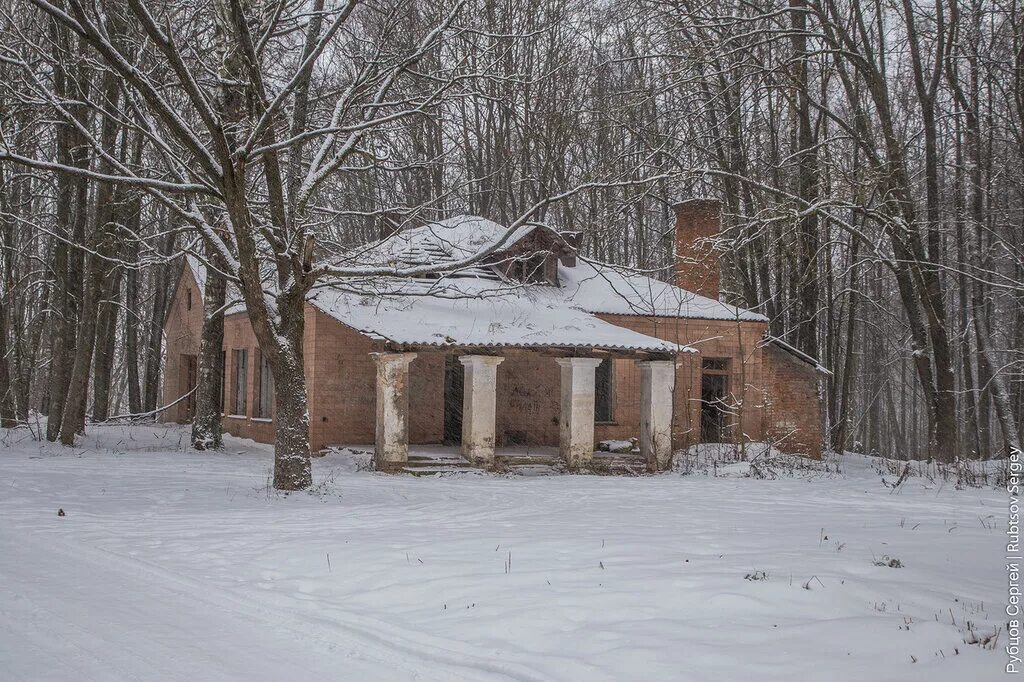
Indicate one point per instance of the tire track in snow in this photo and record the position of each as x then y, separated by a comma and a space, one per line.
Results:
374, 641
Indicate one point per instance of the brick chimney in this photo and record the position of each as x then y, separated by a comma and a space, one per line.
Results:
698, 223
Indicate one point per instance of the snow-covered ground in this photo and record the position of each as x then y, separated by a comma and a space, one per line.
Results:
171, 564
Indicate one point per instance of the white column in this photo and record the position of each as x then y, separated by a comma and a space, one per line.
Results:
391, 450
576, 423
657, 381
479, 403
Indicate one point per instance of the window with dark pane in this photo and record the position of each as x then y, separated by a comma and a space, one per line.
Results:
265, 397
604, 391
241, 362
223, 378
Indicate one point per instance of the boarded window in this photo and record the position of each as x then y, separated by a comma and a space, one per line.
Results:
241, 363
265, 399
604, 391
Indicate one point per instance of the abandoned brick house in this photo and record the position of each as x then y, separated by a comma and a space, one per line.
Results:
533, 346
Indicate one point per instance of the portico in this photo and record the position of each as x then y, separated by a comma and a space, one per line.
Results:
572, 404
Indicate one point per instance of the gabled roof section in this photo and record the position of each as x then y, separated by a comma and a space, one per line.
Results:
192, 266
198, 272
451, 239
456, 237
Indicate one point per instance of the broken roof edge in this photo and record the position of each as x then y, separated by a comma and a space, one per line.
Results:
798, 354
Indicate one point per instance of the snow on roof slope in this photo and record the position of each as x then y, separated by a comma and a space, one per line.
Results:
591, 286
599, 288
456, 237
477, 306
471, 312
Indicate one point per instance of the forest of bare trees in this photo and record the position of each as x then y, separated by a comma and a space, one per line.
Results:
869, 156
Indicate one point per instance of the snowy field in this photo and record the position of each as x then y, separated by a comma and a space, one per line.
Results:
173, 565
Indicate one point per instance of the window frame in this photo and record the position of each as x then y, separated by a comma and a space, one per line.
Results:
240, 389
223, 381
263, 404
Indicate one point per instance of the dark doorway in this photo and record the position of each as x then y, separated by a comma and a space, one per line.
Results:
453, 390
714, 389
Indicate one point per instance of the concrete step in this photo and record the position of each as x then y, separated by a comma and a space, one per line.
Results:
431, 471
417, 462
533, 460
436, 458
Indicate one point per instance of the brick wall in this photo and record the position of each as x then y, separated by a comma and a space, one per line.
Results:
344, 383
793, 412
698, 224
777, 392
183, 327
529, 400
737, 341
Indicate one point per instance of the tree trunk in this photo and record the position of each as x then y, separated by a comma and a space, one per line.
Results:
806, 159
7, 415
106, 335
1000, 396
154, 345
131, 335
850, 361
101, 246
206, 424
72, 210
292, 466
78, 384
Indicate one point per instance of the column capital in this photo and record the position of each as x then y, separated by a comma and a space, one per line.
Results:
392, 358
478, 360
579, 363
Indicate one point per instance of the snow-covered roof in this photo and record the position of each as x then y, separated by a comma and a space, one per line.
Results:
456, 237
599, 288
477, 312
479, 306
448, 240
590, 286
